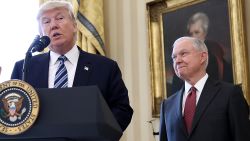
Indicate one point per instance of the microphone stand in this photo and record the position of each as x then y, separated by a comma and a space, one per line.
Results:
27, 58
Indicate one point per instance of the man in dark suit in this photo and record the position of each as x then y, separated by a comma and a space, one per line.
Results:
57, 21
203, 109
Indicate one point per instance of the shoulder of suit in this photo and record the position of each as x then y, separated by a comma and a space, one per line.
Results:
229, 85
174, 96
96, 57
35, 57
219, 82
223, 84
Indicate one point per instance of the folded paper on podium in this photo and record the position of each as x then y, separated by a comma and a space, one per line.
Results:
78, 113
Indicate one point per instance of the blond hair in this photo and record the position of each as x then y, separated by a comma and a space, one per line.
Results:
56, 4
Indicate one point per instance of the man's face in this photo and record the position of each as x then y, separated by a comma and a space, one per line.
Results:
196, 31
59, 26
187, 61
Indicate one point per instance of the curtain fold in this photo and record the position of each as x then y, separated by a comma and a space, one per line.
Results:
90, 24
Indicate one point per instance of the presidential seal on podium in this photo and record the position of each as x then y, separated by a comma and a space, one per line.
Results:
19, 107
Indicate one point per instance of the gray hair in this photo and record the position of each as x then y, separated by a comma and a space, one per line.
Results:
56, 4
198, 44
199, 17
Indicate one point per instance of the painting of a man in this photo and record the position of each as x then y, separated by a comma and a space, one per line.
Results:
218, 68
208, 21
197, 27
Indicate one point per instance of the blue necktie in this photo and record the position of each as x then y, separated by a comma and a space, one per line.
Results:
61, 78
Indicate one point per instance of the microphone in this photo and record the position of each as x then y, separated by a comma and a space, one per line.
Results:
40, 43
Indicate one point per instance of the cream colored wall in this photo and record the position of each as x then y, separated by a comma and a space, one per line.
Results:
127, 43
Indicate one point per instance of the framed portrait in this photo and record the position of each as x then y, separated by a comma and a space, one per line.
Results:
220, 24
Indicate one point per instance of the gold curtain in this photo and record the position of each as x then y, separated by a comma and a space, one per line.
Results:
90, 35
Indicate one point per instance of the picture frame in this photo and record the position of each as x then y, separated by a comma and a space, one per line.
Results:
163, 12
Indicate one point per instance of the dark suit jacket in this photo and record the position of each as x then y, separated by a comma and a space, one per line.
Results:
102, 72
221, 115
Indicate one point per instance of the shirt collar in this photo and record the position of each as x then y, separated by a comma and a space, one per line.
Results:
71, 55
199, 85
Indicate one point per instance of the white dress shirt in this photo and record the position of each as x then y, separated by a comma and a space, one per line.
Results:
199, 87
71, 63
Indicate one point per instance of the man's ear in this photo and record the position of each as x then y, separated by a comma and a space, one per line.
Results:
204, 56
75, 26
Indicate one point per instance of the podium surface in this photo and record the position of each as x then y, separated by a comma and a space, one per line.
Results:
78, 113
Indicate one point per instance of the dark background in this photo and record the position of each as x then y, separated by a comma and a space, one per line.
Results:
175, 26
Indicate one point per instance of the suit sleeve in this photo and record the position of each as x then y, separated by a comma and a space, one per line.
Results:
17, 70
239, 116
118, 99
163, 132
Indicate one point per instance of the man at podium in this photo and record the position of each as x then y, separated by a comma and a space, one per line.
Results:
66, 65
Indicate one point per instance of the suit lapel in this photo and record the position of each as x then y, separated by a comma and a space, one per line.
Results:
179, 115
40, 74
46, 74
209, 91
83, 70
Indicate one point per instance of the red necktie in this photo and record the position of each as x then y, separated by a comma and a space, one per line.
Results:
189, 109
